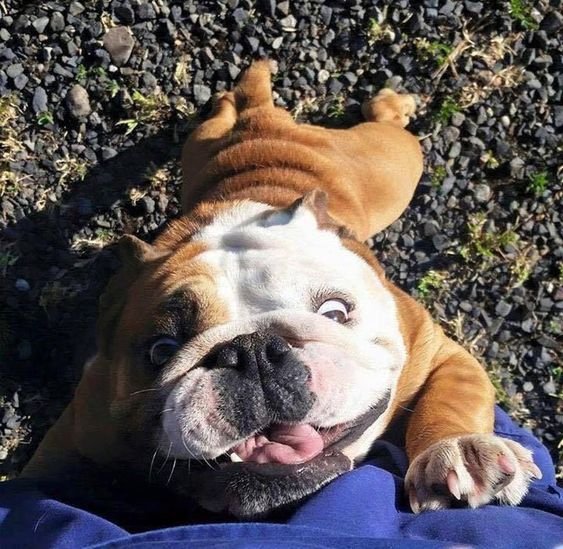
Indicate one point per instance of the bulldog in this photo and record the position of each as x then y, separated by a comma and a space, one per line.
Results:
257, 348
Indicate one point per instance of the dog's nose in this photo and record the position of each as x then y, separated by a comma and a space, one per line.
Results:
250, 351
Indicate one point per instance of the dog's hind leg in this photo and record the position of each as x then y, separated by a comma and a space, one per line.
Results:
203, 143
391, 107
255, 87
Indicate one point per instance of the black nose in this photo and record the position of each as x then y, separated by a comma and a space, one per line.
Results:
251, 351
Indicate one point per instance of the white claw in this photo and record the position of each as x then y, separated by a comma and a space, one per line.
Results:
453, 484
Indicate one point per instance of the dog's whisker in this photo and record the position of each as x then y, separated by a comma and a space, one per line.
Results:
166, 458
152, 462
403, 407
167, 410
143, 391
208, 464
171, 472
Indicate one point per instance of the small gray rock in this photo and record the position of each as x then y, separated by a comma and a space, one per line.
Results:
450, 135
457, 118
57, 22
288, 23
440, 242
125, 14
528, 386
22, 285
431, 228
13, 71
108, 152
549, 387
78, 102
202, 94
517, 167
119, 42
148, 204
408, 241
20, 81
482, 193
40, 24
40, 100
503, 308
552, 22
455, 150
323, 76
558, 116
76, 8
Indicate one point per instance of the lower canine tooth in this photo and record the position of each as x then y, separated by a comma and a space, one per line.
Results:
235, 458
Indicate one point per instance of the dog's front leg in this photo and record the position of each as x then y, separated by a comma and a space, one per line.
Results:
454, 455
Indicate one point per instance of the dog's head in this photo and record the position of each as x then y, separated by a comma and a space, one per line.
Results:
262, 345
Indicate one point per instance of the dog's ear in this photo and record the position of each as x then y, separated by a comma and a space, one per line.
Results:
316, 201
134, 255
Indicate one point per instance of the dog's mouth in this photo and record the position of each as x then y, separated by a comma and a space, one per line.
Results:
285, 443
277, 466
294, 444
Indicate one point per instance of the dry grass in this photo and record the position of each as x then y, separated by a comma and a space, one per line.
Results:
487, 82
483, 246
11, 145
305, 106
136, 194
150, 109
181, 75
489, 53
83, 245
70, 169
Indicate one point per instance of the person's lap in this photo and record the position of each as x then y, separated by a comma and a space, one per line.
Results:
363, 508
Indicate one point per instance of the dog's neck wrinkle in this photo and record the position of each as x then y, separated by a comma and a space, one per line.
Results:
222, 201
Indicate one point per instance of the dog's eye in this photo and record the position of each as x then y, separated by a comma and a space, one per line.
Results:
335, 309
162, 350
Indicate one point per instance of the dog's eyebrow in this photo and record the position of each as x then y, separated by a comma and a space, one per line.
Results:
177, 315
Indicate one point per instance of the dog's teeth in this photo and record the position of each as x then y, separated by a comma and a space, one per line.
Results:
235, 458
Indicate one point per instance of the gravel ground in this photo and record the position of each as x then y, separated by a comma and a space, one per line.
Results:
96, 98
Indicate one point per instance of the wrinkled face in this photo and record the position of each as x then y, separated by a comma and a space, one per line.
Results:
264, 339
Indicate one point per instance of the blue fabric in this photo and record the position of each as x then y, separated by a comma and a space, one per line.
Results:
363, 508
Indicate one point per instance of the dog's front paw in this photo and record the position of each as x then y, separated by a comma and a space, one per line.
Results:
472, 469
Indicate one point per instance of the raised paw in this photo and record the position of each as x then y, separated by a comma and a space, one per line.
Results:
470, 469
390, 106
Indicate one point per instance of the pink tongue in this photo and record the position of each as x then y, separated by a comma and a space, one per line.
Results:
288, 444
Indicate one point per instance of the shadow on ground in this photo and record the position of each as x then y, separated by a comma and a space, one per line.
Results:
47, 328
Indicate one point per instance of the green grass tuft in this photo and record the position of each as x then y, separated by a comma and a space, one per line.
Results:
438, 175
520, 10
538, 182
432, 50
447, 109
432, 280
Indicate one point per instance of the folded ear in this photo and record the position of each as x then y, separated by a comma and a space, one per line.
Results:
135, 255
316, 201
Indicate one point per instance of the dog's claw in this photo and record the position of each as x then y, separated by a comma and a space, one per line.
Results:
534, 470
413, 501
452, 481
505, 465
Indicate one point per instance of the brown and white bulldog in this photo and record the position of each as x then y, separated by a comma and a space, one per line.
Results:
257, 345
